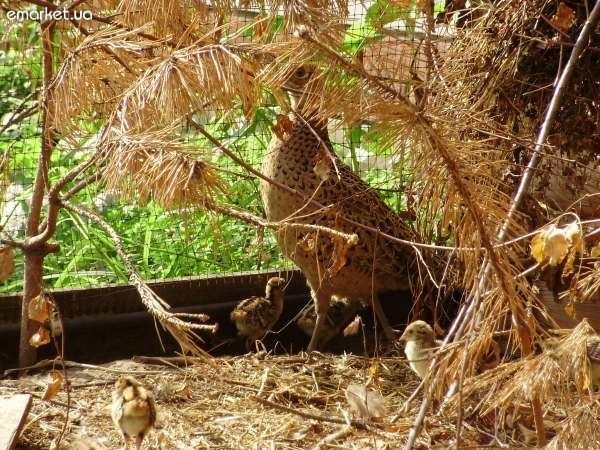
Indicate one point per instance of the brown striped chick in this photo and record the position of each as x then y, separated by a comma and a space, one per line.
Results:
133, 410
341, 311
255, 316
420, 345
593, 353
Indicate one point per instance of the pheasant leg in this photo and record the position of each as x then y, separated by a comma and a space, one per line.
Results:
388, 331
314, 340
321, 300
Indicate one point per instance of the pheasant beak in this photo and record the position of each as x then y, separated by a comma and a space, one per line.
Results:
403, 338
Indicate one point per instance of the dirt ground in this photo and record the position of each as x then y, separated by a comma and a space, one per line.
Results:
244, 402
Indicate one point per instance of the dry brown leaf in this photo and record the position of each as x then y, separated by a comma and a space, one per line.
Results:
353, 327
570, 310
564, 18
184, 392
339, 256
40, 308
41, 337
56, 327
365, 403
322, 165
573, 233
308, 243
7, 263
552, 244
55, 381
374, 372
283, 126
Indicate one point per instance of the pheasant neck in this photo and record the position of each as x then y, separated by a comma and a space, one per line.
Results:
275, 297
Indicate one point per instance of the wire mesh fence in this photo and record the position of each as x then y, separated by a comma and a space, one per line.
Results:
386, 36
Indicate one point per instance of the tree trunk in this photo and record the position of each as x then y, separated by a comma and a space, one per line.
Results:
32, 288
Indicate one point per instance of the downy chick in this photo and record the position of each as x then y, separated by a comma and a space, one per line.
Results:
255, 316
133, 410
341, 311
593, 353
420, 345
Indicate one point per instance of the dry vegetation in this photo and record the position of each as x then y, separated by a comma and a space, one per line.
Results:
467, 132
243, 402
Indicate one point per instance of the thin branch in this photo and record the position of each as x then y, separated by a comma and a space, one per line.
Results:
20, 114
104, 48
255, 220
54, 204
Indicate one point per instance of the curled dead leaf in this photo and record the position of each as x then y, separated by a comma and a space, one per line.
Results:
570, 310
7, 263
553, 244
308, 243
339, 256
39, 338
283, 126
55, 381
353, 327
564, 18
322, 165
40, 308
185, 392
56, 328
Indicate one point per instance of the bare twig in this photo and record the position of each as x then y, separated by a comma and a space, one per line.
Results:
250, 218
20, 115
343, 431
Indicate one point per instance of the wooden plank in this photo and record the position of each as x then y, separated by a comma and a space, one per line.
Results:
178, 292
13, 412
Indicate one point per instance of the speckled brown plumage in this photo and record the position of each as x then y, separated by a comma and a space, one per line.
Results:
373, 265
341, 311
256, 315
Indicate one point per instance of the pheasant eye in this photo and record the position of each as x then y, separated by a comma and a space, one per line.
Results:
301, 73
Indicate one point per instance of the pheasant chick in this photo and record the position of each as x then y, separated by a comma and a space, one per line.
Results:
593, 353
420, 345
255, 316
341, 311
133, 410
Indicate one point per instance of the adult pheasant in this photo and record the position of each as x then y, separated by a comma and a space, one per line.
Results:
301, 157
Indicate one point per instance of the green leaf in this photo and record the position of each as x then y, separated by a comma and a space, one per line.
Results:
359, 35
382, 12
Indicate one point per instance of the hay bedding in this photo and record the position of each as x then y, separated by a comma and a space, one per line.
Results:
213, 404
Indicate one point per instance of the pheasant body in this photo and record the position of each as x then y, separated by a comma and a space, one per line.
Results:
133, 410
341, 311
254, 316
373, 265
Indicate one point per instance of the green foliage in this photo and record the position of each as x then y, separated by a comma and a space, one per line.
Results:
20, 70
